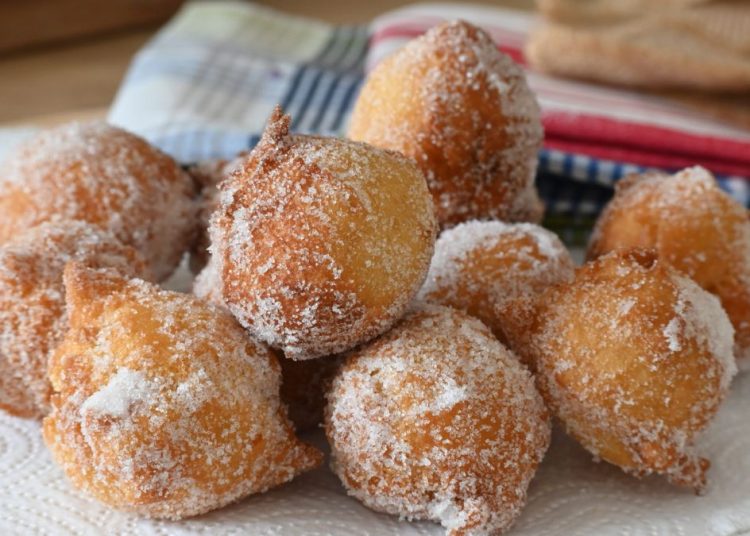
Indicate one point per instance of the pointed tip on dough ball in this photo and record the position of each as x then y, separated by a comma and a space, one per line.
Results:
32, 302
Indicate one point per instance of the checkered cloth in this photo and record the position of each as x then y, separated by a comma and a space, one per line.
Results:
206, 83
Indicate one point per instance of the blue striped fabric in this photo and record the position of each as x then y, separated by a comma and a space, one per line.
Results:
202, 91
322, 91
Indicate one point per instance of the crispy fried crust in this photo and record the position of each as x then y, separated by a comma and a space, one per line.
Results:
437, 420
32, 303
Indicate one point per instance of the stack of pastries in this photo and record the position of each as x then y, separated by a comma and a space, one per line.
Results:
394, 287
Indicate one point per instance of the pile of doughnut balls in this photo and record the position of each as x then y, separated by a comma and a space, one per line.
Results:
325, 295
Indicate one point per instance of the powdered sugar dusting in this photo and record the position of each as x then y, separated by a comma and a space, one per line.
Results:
705, 320
694, 226
671, 333
625, 306
207, 284
489, 268
126, 388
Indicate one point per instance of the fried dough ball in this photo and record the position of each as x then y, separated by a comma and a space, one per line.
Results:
106, 176
437, 420
320, 244
635, 358
463, 111
493, 270
32, 303
163, 406
692, 225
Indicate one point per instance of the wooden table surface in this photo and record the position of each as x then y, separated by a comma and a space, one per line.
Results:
76, 80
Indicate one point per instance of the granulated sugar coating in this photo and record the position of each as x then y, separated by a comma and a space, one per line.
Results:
32, 303
692, 225
103, 175
463, 111
437, 420
635, 359
207, 284
494, 270
320, 243
163, 406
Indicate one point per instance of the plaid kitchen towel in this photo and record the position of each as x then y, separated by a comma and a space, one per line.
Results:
204, 86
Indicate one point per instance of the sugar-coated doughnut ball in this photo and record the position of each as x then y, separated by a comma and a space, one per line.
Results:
463, 111
494, 271
692, 225
437, 420
163, 406
106, 176
635, 358
32, 303
320, 244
